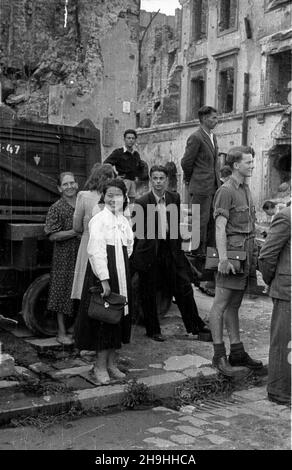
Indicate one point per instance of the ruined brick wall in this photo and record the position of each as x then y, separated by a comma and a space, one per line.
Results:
159, 80
43, 46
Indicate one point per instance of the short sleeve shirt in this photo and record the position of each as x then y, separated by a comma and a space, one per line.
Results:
233, 200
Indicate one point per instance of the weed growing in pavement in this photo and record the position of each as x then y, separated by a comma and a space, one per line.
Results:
43, 386
46, 388
44, 421
137, 395
201, 389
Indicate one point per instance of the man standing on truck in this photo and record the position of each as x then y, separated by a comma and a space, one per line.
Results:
201, 174
127, 163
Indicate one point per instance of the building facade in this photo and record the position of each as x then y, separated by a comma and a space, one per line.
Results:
235, 56
63, 61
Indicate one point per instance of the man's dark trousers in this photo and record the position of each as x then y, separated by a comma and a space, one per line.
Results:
207, 224
165, 272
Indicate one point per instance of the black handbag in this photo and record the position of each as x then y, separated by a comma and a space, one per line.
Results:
235, 257
106, 309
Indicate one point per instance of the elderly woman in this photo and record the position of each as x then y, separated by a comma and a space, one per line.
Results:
110, 245
87, 200
59, 228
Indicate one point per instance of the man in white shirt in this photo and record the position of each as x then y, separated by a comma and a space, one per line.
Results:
159, 259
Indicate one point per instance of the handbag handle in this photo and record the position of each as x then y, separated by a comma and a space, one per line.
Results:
95, 290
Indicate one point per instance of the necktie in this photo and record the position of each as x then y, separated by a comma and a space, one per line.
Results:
163, 220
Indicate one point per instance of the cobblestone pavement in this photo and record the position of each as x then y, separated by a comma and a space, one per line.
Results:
246, 421
250, 422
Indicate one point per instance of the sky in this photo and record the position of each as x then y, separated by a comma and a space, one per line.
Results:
166, 6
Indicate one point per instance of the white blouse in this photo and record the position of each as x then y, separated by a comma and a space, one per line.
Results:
106, 228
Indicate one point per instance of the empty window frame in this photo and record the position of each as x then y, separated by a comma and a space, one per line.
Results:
278, 77
158, 38
197, 95
199, 19
227, 15
171, 59
226, 90
197, 88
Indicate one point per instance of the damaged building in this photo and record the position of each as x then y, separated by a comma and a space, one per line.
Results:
236, 57
159, 77
63, 61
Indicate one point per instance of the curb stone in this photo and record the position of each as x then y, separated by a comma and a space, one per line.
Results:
109, 396
161, 386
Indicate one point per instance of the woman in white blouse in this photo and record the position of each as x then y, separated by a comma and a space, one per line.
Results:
110, 244
87, 200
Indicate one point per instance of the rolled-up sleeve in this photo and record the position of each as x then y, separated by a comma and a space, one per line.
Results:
96, 248
222, 203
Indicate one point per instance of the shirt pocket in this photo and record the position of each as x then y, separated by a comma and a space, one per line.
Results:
241, 215
236, 242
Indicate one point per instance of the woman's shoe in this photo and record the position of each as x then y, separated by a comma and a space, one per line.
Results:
65, 340
116, 373
101, 376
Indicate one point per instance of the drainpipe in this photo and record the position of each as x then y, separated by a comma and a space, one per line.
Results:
245, 109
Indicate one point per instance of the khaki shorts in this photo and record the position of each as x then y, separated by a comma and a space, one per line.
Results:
240, 281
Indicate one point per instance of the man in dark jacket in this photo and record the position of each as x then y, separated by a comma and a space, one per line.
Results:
158, 256
127, 163
201, 173
275, 265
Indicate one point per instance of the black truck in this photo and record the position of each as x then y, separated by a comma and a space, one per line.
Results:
31, 157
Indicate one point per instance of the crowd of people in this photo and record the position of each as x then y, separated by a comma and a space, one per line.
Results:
99, 243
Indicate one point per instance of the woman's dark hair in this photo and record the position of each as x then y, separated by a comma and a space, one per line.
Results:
172, 176
62, 175
268, 205
171, 168
158, 168
130, 131
98, 176
115, 183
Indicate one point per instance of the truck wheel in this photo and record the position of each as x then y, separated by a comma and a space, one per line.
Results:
35, 314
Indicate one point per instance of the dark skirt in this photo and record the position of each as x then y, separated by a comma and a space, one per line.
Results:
279, 379
94, 335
